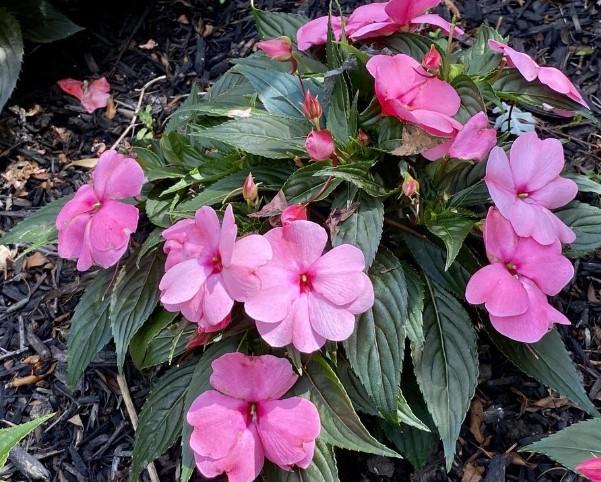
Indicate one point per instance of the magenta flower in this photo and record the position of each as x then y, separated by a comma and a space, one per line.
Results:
432, 60
94, 227
93, 95
279, 48
406, 91
472, 142
245, 420
590, 468
553, 78
514, 285
308, 297
207, 269
527, 185
315, 32
320, 145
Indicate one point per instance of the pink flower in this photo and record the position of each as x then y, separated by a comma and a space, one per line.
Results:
320, 145
94, 227
514, 285
279, 48
432, 60
93, 95
472, 142
308, 297
315, 32
207, 269
527, 185
406, 91
590, 468
294, 212
553, 78
245, 420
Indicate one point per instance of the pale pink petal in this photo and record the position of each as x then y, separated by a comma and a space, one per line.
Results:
328, 320
241, 283
365, 300
523, 62
531, 220
535, 162
499, 180
502, 293
287, 428
251, 251
475, 140
279, 289
369, 21
277, 334
500, 239
386, 72
85, 260
435, 123
439, 151
192, 310
557, 193
304, 337
437, 96
71, 237
217, 302
310, 452
403, 11
183, 281
218, 422
564, 233
96, 95
117, 176
83, 201
437, 21
557, 81
227, 238
315, 32
252, 378
209, 228
306, 241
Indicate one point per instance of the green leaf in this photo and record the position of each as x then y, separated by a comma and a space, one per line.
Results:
11, 54
357, 173
480, 59
39, 227
268, 136
571, 445
150, 244
158, 211
307, 182
363, 228
277, 24
549, 362
162, 416
11, 436
339, 113
90, 326
199, 383
415, 306
452, 227
375, 349
340, 425
474, 195
322, 469
585, 220
406, 416
471, 100
412, 44
414, 444
447, 366
585, 183
354, 389
134, 297
41, 22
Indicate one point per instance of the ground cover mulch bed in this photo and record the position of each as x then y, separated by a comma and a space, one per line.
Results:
43, 132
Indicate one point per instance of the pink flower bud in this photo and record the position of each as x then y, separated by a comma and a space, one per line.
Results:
590, 468
432, 60
362, 137
410, 185
294, 212
250, 192
320, 145
279, 48
312, 107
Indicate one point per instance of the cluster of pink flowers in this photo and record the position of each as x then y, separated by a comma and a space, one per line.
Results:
523, 239
245, 420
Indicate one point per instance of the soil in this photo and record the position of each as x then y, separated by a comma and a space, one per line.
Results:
43, 131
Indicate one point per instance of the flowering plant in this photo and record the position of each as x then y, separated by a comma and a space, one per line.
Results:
327, 232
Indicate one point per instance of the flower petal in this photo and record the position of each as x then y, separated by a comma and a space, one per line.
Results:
183, 281
306, 241
217, 302
83, 201
437, 21
557, 193
71, 237
117, 176
209, 228
328, 320
227, 237
535, 162
279, 289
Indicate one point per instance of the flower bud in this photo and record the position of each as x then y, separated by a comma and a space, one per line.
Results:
320, 145
432, 60
294, 212
362, 137
410, 185
312, 108
250, 192
279, 48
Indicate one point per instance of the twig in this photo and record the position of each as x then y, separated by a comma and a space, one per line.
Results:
132, 123
133, 416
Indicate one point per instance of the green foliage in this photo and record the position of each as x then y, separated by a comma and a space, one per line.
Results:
322, 469
452, 227
11, 436
585, 220
277, 24
11, 54
479, 59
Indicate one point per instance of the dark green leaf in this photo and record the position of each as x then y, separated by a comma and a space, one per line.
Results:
357, 173
480, 59
307, 183
90, 326
474, 195
452, 227
414, 444
412, 44
571, 445
134, 297
415, 306
162, 416
11, 54
375, 350
585, 220
158, 210
354, 389
322, 469
585, 183
549, 362
41, 22
339, 115
447, 366
11, 436
471, 100
277, 24
364, 228
406, 416
150, 244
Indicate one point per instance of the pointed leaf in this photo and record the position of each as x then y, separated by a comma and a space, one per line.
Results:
480, 59
307, 183
41, 22
415, 306
471, 100
11, 436
277, 24
452, 228
11, 54
585, 220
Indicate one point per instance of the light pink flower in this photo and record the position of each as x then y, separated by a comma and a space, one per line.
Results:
472, 142
320, 145
294, 212
315, 32
308, 297
93, 95
512, 287
207, 269
279, 48
94, 227
527, 185
553, 78
245, 420
406, 91
590, 468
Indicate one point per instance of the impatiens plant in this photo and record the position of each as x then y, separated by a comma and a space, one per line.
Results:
326, 235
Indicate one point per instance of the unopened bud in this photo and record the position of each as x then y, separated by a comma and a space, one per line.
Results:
250, 192
432, 60
279, 48
410, 185
362, 137
320, 145
312, 108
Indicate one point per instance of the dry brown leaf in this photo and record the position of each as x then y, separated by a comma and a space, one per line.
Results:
6, 257
89, 162
36, 260
476, 418
76, 420
415, 141
551, 402
183, 20
111, 109
472, 473
19, 172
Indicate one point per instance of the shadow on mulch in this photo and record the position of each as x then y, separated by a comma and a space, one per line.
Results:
43, 131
